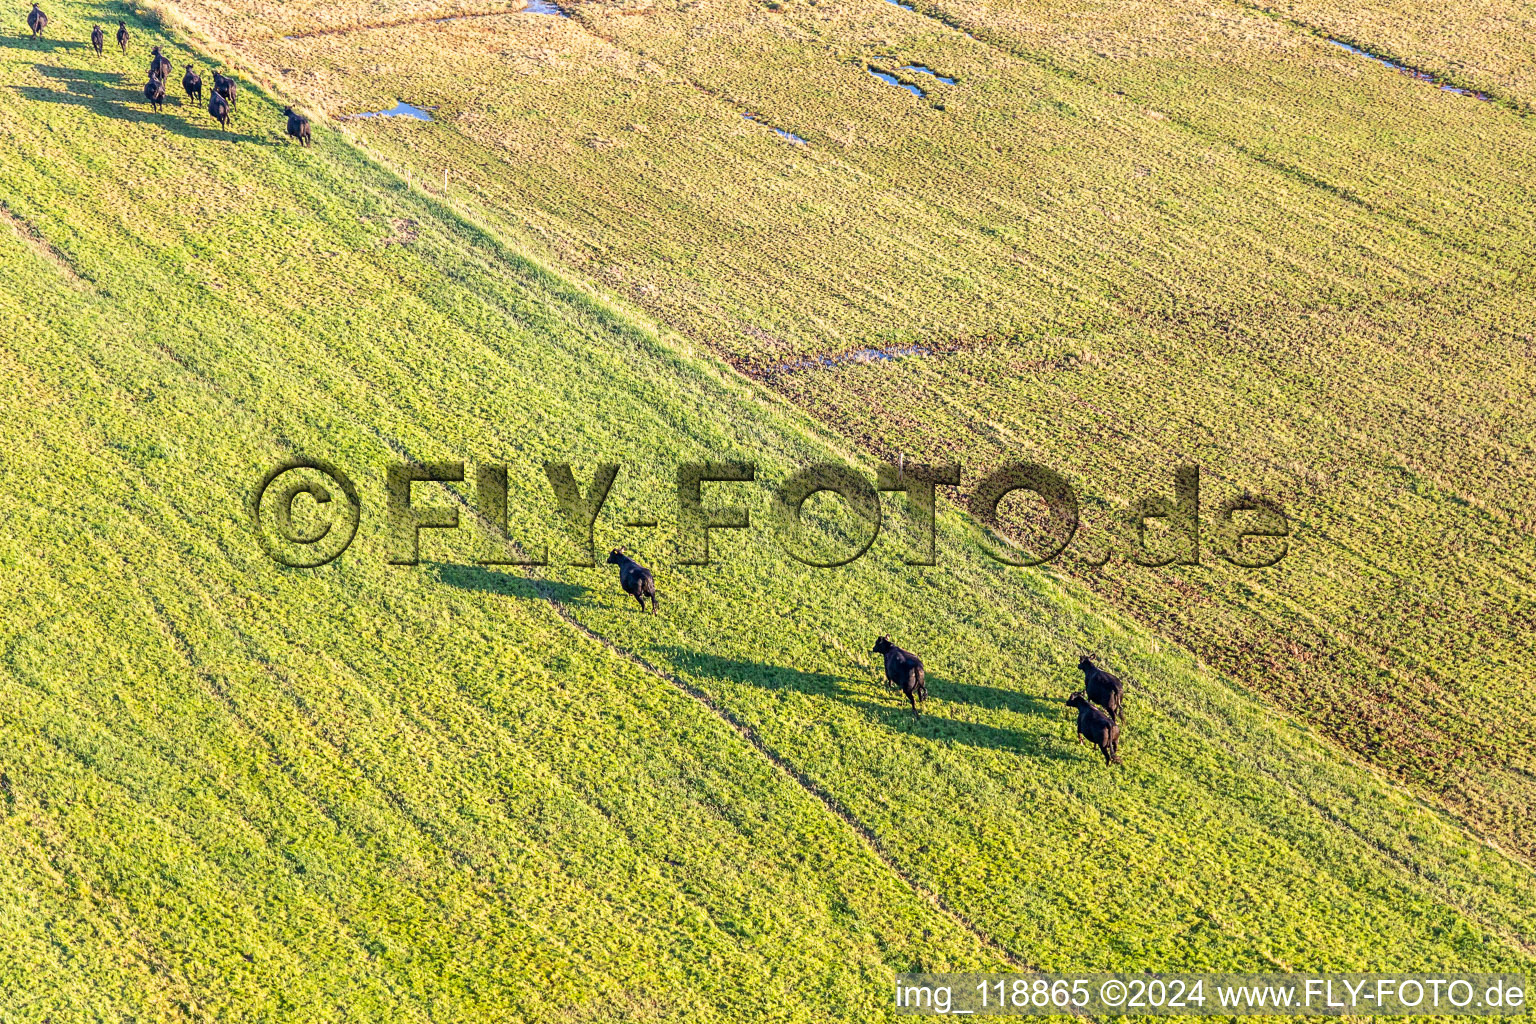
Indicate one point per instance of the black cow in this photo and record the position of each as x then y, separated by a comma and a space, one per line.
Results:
122, 37
154, 91
36, 21
159, 66
904, 670
98, 39
633, 577
298, 128
218, 106
1096, 727
1104, 688
226, 87
192, 82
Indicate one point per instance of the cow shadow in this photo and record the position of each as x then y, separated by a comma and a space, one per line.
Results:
487, 580
996, 698
84, 74
888, 706
115, 103
85, 81
44, 45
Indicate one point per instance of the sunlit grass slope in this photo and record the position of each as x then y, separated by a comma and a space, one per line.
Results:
450, 792
1159, 232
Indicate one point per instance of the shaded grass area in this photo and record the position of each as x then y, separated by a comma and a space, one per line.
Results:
234, 791
1169, 232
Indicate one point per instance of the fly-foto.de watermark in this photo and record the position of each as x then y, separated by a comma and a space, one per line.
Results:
1205, 995
306, 512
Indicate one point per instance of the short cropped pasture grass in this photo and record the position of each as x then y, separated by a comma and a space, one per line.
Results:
1487, 45
1281, 260
450, 791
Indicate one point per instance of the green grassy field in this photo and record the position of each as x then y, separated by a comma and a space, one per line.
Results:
455, 792
1130, 236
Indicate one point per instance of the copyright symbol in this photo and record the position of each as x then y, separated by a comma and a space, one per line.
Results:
1112, 992
305, 534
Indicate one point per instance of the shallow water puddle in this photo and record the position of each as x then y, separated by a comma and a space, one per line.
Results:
928, 71
1422, 76
400, 109
898, 3
893, 80
863, 355
531, 7
791, 136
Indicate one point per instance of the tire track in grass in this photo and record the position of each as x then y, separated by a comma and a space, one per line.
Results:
107, 910
182, 643
1401, 66
284, 764
343, 925
419, 19
1428, 876
1002, 438
426, 830
119, 913
33, 238
867, 837
1044, 62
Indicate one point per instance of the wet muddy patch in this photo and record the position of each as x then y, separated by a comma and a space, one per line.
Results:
780, 132
891, 79
932, 17
801, 364
403, 232
1414, 73
531, 7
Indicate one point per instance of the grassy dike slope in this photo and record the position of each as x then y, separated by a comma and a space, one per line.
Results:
443, 792
1156, 232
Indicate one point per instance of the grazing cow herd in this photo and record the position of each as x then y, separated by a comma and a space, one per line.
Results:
221, 102
1099, 704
